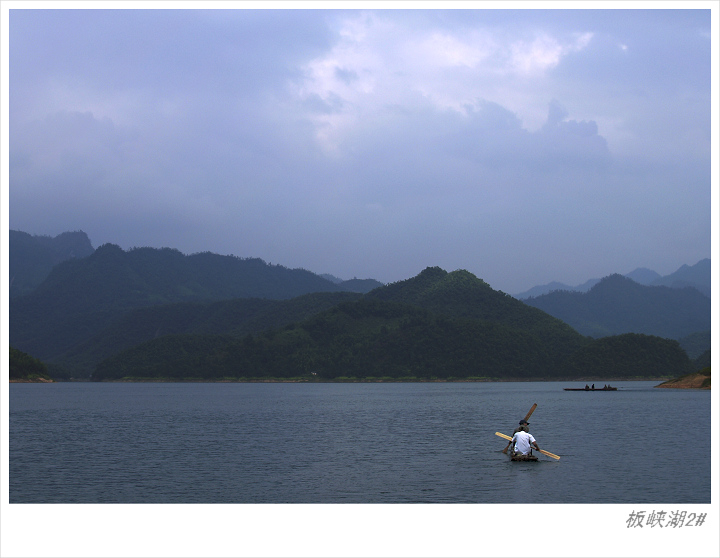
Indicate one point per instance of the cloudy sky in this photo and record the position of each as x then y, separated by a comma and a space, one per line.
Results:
525, 146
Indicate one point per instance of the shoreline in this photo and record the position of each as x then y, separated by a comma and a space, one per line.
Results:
346, 381
690, 381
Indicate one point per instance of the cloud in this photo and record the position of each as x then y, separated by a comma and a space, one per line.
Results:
368, 143
392, 64
543, 52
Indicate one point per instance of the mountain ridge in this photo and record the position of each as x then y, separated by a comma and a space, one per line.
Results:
88, 309
33, 257
697, 276
617, 305
83, 296
417, 329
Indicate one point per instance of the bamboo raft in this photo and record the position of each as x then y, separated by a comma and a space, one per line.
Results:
523, 458
506, 437
529, 457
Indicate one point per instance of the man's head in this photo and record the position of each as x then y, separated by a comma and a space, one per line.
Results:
523, 422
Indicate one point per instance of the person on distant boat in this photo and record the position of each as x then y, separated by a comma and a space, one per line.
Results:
593, 386
522, 423
587, 387
523, 442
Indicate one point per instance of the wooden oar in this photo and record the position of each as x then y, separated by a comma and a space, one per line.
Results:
503, 435
530, 412
541, 451
549, 454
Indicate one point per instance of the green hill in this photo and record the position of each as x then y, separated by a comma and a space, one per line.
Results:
365, 339
619, 305
236, 318
438, 325
461, 294
82, 297
25, 368
630, 355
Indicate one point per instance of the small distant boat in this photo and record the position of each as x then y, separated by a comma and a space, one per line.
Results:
593, 388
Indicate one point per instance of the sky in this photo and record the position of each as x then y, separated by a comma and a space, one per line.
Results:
525, 146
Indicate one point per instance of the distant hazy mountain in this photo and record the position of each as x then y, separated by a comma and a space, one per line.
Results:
540, 290
83, 296
332, 278
354, 285
360, 285
618, 305
32, 257
644, 276
697, 276
696, 344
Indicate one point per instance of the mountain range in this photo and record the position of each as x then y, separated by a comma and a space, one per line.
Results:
696, 276
435, 326
107, 310
617, 304
31, 258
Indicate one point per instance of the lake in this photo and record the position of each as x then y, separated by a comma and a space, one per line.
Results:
354, 443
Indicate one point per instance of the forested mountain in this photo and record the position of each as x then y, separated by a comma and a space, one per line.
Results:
697, 276
437, 325
25, 368
696, 344
81, 297
32, 257
156, 313
236, 318
462, 294
620, 305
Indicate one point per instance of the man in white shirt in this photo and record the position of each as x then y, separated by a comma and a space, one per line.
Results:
523, 442
522, 423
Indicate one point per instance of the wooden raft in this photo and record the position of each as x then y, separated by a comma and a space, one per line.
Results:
523, 458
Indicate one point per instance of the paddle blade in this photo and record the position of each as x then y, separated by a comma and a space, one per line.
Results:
549, 454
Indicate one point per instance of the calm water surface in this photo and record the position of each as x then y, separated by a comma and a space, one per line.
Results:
354, 443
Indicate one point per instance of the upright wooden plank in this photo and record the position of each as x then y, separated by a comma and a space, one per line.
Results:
531, 411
